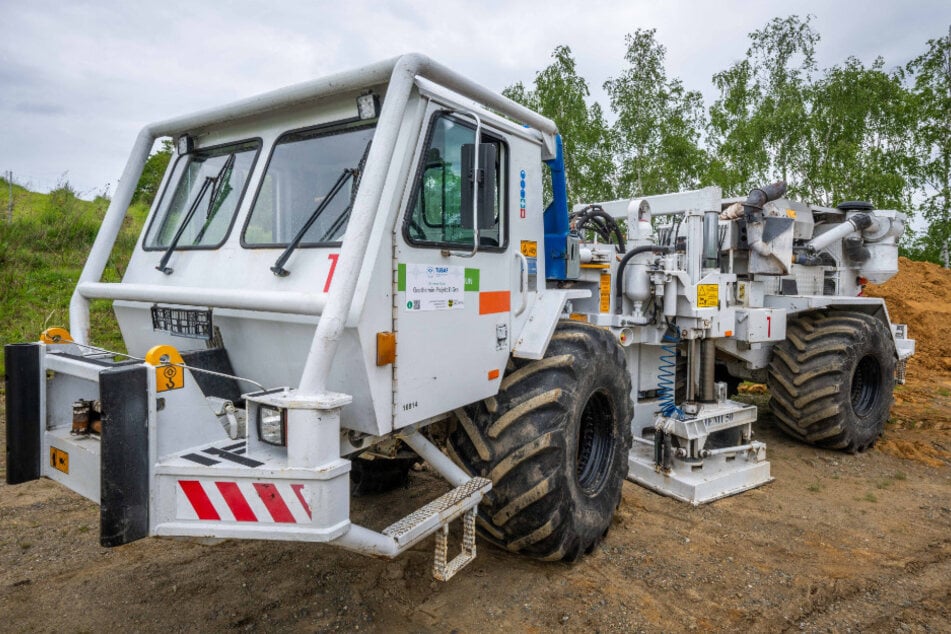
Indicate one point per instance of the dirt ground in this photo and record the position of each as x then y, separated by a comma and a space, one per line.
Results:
836, 543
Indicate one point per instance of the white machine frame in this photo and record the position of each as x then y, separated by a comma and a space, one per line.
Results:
336, 398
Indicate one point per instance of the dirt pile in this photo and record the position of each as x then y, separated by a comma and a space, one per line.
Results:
920, 296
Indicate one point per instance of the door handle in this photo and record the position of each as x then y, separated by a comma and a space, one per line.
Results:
523, 283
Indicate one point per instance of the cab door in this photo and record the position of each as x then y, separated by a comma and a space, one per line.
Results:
454, 270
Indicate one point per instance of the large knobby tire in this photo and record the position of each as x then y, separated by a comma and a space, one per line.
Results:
831, 380
554, 442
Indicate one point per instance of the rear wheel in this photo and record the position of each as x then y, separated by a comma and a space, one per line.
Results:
555, 443
832, 379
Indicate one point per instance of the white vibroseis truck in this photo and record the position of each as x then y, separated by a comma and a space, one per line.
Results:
348, 275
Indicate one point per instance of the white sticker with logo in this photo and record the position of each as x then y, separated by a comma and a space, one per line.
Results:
431, 287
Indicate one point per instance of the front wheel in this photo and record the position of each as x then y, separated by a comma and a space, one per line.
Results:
832, 379
554, 442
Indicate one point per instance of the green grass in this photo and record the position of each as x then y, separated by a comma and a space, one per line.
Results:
42, 253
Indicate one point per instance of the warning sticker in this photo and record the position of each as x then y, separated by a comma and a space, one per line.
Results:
432, 287
59, 459
605, 288
169, 377
708, 295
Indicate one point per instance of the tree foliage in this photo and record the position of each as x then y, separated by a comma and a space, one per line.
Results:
152, 173
559, 93
846, 132
931, 73
758, 126
858, 141
657, 132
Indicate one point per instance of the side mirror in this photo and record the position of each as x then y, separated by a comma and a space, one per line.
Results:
486, 178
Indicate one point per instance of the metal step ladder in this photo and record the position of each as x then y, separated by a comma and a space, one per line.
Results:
436, 517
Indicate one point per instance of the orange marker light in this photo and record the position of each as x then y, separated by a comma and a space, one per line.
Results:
385, 348
493, 375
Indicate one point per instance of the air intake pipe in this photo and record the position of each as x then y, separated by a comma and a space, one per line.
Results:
858, 222
760, 196
753, 212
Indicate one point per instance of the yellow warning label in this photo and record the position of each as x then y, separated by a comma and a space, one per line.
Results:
605, 292
708, 295
59, 459
530, 248
169, 377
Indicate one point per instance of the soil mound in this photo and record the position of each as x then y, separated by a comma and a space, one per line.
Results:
920, 296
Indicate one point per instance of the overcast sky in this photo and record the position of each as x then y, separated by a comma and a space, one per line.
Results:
79, 79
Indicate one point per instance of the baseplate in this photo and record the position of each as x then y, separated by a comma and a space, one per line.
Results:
716, 477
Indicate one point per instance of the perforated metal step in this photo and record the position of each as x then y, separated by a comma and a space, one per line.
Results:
439, 512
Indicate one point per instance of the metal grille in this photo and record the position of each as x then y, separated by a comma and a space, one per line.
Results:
182, 322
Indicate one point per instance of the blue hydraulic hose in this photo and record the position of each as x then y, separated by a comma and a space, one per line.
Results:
668, 377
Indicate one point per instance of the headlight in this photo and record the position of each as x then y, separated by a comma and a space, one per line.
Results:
272, 426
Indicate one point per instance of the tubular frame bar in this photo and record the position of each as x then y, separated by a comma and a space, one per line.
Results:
402, 73
271, 301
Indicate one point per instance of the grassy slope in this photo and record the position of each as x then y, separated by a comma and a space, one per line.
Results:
42, 253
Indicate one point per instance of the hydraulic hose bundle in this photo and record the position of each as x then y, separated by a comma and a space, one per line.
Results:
594, 218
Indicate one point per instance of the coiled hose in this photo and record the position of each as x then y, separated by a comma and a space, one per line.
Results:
667, 376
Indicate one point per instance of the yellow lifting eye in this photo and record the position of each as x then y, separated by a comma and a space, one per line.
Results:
56, 335
167, 377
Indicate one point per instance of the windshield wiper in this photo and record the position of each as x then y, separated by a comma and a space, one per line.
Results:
216, 199
340, 222
344, 217
210, 181
181, 228
278, 268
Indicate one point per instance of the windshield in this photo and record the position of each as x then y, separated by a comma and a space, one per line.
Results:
208, 224
302, 171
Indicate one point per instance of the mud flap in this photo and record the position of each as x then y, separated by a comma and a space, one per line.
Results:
24, 426
124, 494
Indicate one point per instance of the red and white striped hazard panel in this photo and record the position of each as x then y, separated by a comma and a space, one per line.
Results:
225, 501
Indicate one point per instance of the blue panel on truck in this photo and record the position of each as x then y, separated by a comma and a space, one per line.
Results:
556, 219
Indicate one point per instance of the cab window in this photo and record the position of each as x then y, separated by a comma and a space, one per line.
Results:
441, 211
310, 181
202, 197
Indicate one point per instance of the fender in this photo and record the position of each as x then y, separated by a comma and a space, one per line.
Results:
532, 341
